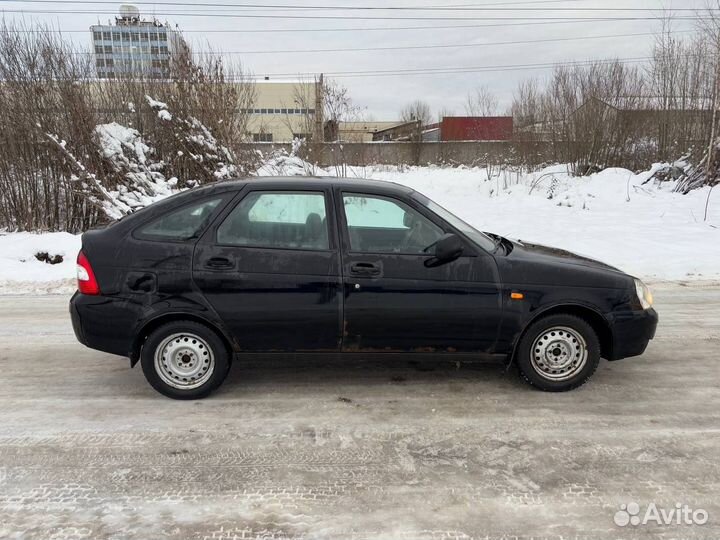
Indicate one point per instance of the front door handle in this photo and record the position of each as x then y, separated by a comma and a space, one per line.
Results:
365, 269
219, 263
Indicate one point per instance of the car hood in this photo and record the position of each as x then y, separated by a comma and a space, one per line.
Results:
556, 256
526, 263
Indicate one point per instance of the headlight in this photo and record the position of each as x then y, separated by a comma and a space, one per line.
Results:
644, 295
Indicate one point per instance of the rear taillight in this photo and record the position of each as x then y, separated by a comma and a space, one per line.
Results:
87, 284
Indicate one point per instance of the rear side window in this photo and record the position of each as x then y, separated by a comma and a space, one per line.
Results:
288, 220
182, 224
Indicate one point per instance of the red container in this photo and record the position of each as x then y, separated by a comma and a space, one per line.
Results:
476, 128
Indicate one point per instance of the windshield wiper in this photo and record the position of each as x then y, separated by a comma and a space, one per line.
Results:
496, 238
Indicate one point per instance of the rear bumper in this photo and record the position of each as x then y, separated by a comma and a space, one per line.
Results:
104, 323
632, 331
75, 318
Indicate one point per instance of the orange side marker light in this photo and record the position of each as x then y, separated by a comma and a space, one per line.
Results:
517, 296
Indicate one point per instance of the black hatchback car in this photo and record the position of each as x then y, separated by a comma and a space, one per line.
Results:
324, 265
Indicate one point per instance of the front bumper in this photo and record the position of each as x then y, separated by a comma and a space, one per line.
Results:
632, 331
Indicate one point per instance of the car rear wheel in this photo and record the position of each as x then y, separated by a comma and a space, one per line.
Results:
558, 353
184, 360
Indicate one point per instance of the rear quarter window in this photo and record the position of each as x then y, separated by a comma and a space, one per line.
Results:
184, 223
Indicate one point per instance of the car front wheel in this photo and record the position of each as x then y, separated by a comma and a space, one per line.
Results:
558, 353
184, 360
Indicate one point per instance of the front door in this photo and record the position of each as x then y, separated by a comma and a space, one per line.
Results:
270, 269
393, 301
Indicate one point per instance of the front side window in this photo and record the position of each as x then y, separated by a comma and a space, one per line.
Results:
286, 220
478, 237
380, 225
182, 224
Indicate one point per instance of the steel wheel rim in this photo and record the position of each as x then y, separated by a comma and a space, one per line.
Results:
184, 361
559, 353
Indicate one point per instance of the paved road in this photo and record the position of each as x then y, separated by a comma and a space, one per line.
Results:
365, 450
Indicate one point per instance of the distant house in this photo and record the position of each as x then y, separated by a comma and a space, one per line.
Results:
651, 117
476, 128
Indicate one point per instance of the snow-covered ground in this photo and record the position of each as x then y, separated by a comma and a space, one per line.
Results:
646, 230
22, 273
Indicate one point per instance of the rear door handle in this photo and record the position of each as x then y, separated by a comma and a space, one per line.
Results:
365, 269
219, 263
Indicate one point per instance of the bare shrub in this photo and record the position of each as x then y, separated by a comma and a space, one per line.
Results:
43, 91
53, 171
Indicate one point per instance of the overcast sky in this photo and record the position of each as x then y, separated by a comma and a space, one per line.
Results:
383, 96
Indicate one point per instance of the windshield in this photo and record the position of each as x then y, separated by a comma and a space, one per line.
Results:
476, 236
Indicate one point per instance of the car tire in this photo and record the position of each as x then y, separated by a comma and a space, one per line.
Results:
558, 353
185, 360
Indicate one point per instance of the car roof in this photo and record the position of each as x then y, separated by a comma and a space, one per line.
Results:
263, 182
317, 181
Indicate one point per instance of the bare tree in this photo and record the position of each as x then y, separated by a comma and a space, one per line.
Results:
43, 92
481, 102
444, 112
709, 26
526, 108
416, 111
338, 108
680, 92
332, 102
51, 104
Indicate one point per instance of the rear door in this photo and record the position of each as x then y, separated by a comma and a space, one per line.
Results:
393, 301
270, 269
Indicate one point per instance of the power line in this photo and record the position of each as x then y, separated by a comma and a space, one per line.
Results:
469, 69
326, 29
442, 46
414, 47
346, 17
469, 7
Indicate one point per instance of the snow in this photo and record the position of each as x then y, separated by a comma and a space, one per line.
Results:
22, 273
643, 229
113, 137
126, 151
155, 104
164, 115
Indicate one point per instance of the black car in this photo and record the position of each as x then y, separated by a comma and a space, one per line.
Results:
326, 265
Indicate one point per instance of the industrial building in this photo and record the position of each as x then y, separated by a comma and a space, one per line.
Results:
283, 111
133, 46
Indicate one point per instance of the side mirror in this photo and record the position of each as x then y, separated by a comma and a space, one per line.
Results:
447, 249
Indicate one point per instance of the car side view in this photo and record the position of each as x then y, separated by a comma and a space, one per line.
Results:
328, 265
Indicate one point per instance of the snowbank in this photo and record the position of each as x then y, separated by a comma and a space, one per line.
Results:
644, 229
22, 273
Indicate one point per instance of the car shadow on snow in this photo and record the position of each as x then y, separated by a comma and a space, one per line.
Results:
363, 370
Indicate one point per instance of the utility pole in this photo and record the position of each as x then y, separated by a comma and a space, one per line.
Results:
716, 92
319, 102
